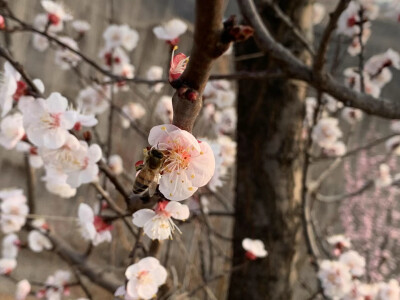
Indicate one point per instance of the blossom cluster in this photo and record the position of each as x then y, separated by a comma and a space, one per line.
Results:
341, 278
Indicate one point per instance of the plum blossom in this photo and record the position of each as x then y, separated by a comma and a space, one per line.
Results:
158, 224
355, 46
144, 278
393, 144
23, 289
352, 80
336, 149
384, 178
7, 265
188, 165
155, 73
164, 109
38, 242
11, 130
226, 120
56, 285
8, 87
93, 99
352, 115
76, 159
326, 132
361, 291
311, 105
132, 111
389, 291
254, 248
378, 66
56, 12
93, 227
339, 240
47, 121
120, 36
10, 244
35, 160
354, 261
220, 93
178, 65
170, 31
335, 278
80, 26
331, 104
64, 57
13, 210
115, 164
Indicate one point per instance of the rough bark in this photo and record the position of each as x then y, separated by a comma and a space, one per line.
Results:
269, 166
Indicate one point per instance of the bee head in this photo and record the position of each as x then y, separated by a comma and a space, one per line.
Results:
155, 158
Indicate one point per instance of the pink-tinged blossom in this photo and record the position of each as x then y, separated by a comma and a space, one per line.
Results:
361, 291
352, 80
318, 13
56, 12
10, 246
120, 36
35, 160
354, 261
56, 285
64, 57
384, 178
352, 115
8, 87
131, 112
378, 67
40, 224
76, 159
389, 291
355, 46
13, 210
38, 242
114, 57
158, 224
170, 31
220, 93
254, 248
93, 227
178, 65
144, 278
115, 164
340, 242
120, 292
347, 23
188, 165
164, 109
335, 278
155, 73
47, 121
94, 99
11, 130
225, 120
326, 132
23, 290
331, 104
393, 145
336, 149
7, 265
80, 26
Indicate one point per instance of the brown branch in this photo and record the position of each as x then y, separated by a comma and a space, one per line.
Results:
326, 36
286, 20
324, 82
211, 40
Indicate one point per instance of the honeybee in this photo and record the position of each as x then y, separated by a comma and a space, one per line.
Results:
149, 173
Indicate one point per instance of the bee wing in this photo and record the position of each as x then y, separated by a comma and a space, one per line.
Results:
153, 185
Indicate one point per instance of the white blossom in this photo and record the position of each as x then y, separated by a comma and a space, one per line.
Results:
352, 115
163, 109
170, 30
335, 278
158, 224
155, 73
80, 26
38, 242
8, 87
93, 99
121, 36
354, 261
326, 132
93, 227
10, 246
64, 57
115, 164
23, 289
7, 265
144, 278
132, 111
11, 130
254, 248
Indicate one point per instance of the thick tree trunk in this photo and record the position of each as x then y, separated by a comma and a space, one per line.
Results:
269, 167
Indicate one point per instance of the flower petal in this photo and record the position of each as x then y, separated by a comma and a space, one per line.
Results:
178, 211
142, 216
